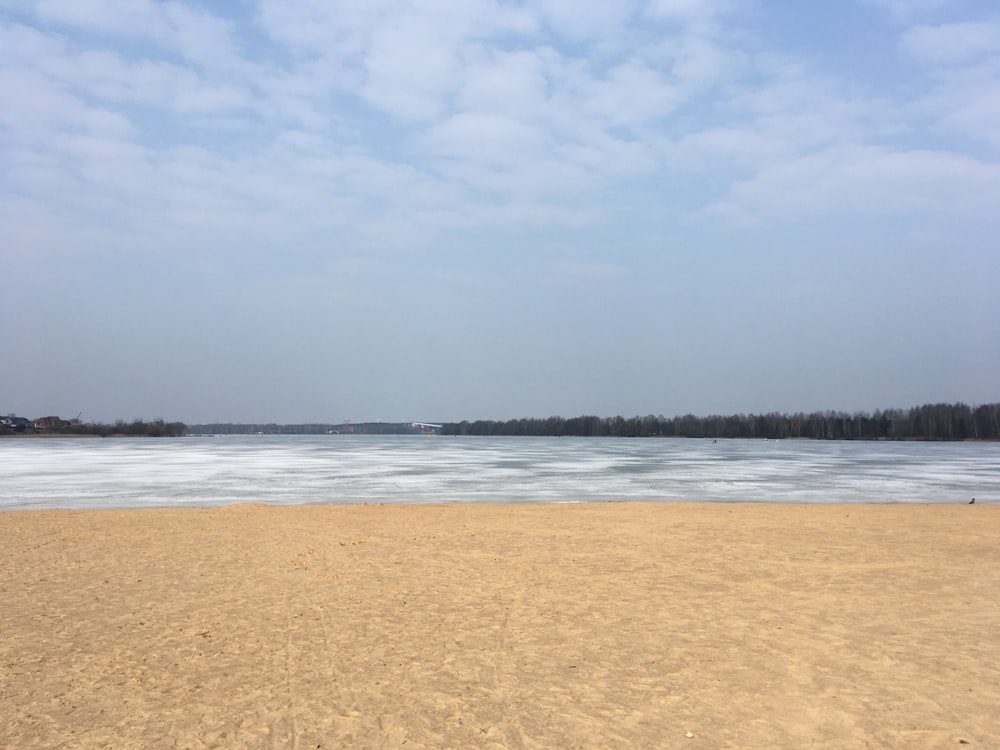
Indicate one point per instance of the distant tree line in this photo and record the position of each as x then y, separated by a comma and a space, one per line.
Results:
928, 422
135, 428
318, 428
14, 425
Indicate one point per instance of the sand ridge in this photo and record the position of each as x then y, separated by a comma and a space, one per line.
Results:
597, 625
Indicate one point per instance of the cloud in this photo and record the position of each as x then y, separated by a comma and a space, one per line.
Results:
631, 94
697, 12
952, 44
125, 17
92, 75
512, 83
586, 21
341, 153
905, 11
962, 62
410, 70
964, 102
866, 181
486, 138
415, 121
775, 113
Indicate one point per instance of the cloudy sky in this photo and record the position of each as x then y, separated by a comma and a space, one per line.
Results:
263, 210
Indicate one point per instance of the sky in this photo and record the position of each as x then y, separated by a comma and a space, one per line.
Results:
311, 211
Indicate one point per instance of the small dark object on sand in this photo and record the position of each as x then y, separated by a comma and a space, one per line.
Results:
972, 501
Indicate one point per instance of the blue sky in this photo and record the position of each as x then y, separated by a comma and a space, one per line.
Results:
259, 210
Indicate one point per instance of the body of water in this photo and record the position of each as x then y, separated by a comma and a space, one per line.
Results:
345, 469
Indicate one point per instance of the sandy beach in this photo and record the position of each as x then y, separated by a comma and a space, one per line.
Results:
502, 626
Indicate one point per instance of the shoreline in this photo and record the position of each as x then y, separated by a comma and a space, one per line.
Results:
745, 625
32, 435
979, 503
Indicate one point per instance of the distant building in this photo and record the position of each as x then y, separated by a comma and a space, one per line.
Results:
51, 424
10, 423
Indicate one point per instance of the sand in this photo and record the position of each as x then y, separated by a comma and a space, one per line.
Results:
501, 626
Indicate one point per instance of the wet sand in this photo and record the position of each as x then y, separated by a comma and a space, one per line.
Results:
502, 626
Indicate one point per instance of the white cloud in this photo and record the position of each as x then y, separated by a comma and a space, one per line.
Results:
779, 112
205, 39
32, 110
866, 181
195, 35
481, 116
484, 137
587, 21
511, 83
107, 76
630, 95
411, 70
905, 11
952, 44
733, 148
309, 27
405, 59
603, 156
698, 12
699, 62
967, 104
126, 17
962, 62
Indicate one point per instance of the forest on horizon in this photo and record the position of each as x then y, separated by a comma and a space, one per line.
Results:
928, 422
957, 421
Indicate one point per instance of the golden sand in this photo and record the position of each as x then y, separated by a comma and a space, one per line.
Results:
501, 626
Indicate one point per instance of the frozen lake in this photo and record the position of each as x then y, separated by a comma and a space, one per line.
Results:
344, 469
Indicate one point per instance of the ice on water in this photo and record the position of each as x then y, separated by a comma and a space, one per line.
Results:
201, 471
